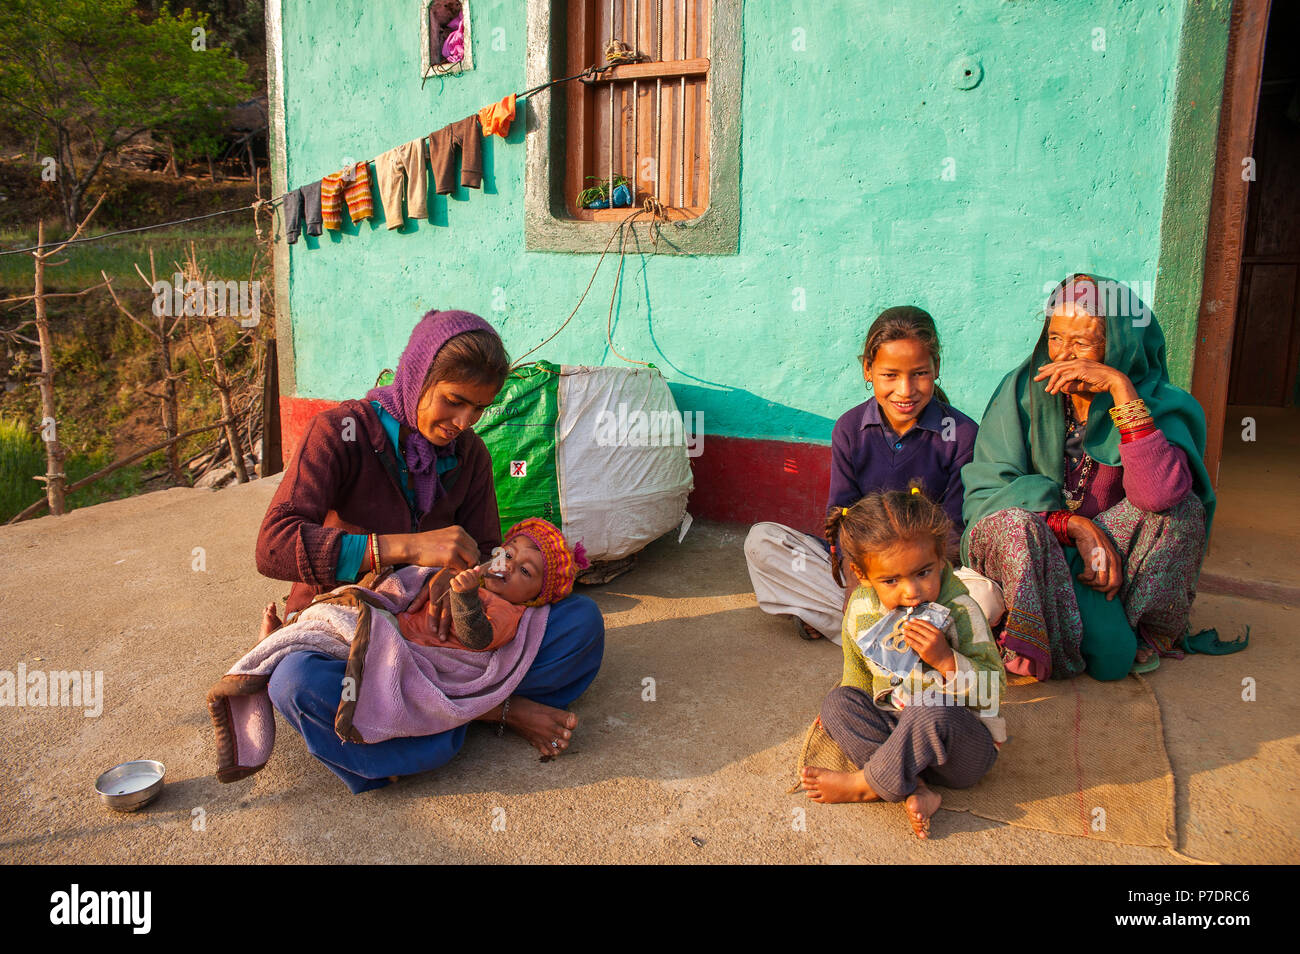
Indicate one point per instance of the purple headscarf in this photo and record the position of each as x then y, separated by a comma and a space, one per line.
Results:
401, 399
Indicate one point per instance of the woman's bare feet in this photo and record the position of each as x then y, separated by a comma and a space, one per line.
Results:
921, 804
547, 729
270, 621
823, 785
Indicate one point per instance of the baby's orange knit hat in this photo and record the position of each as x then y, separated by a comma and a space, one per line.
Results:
560, 564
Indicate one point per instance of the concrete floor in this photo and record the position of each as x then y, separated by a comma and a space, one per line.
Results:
1257, 524
699, 774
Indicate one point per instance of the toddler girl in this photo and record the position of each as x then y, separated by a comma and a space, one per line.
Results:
904, 730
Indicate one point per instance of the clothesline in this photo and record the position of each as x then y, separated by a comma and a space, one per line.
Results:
589, 71
266, 203
303, 203
143, 228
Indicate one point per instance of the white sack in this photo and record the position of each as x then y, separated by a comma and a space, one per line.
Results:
621, 461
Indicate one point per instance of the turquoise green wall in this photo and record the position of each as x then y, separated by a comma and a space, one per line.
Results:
1060, 156
1189, 179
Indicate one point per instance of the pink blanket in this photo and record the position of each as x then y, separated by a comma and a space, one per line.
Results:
391, 688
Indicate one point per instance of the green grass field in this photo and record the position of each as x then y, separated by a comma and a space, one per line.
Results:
22, 457
223, 245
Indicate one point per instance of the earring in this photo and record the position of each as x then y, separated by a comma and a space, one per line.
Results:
868, 385
938, 381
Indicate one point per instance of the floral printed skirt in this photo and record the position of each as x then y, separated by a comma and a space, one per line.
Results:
1162, 555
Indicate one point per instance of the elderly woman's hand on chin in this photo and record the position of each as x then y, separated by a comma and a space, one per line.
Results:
1082, 376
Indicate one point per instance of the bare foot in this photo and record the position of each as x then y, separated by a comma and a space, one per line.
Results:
823, 785
921, 804
270, 621
547, 729
1144, 654
808, 631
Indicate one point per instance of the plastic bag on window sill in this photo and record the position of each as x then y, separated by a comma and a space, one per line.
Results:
622, 200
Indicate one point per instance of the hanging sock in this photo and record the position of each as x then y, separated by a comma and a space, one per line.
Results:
496, 119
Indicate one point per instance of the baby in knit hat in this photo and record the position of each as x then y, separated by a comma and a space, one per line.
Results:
535, 567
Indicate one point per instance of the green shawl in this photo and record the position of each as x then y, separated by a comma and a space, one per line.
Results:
1019, 459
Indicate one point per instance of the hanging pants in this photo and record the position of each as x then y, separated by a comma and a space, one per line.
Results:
302, 208
350, 187
466, 137
401, 171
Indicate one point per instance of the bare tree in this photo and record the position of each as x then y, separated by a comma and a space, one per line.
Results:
199, 309
163, 333
55, 454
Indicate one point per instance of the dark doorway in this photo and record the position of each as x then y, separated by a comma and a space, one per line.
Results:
1266, 342
1248, 341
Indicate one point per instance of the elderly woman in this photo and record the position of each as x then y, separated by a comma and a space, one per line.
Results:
1087, 498
401, 478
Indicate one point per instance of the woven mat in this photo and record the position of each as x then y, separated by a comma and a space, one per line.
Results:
1082, 758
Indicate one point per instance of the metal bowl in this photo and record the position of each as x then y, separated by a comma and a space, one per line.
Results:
131, 785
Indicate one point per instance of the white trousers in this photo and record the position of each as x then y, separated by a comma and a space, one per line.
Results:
791, 573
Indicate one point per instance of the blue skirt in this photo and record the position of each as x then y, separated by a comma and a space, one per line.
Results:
306, 688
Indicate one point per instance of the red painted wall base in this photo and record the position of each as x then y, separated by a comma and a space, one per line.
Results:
737, 479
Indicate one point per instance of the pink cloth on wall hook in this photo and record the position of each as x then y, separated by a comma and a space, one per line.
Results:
453, 48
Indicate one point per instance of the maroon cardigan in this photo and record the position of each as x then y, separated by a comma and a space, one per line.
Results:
334, 486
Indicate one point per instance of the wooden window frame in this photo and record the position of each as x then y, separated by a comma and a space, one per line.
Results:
551, 223
671, 85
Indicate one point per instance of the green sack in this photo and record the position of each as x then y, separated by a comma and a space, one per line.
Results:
519, 430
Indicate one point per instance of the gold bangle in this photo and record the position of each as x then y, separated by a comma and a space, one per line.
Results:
1129, 411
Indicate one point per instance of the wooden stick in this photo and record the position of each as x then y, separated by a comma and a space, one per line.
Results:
36, 507
670, 69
